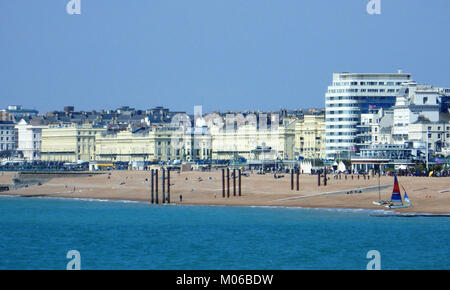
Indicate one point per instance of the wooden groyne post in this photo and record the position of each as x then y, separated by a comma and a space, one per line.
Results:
168, 185
156, 186
223, 182
292, 179
228, 182
152, 185
239, 182
234, 182
163, 185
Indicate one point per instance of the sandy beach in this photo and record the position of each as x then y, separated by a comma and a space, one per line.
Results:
427, 194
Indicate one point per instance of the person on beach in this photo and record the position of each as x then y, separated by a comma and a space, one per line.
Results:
181, 198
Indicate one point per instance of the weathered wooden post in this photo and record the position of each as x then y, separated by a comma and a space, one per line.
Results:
168, 185
292, 179
152, 185
163, 185
234, 182
239, 182
156, 186
223, 182
228, 182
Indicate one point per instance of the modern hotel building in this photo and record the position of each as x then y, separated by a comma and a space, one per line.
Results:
349, 96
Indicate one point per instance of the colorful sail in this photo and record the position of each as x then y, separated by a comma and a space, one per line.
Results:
396, 196
405, 197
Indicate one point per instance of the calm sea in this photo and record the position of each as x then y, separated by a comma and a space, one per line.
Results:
37, 233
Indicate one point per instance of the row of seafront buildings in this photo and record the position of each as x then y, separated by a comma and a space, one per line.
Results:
134, 136
385, 120
372, 120
188, 139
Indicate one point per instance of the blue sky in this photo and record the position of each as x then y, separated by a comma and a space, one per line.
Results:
221, 54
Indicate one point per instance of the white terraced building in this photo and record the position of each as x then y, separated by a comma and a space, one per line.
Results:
8, 136
349, 96
413, 102
30, 138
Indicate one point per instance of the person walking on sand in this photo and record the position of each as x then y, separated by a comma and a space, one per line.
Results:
181, 198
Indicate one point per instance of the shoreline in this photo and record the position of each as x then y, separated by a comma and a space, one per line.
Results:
386, 212
428, 194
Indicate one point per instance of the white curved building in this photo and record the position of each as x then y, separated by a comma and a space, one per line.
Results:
349, 96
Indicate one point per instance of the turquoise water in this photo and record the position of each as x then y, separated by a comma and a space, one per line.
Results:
37, 233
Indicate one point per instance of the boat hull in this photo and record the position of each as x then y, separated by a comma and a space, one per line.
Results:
398, 206
380, 202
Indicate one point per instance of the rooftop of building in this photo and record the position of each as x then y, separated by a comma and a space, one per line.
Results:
371, 76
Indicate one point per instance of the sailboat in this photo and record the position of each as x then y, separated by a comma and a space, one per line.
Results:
405, 197
396, 198
380, 201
